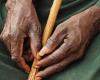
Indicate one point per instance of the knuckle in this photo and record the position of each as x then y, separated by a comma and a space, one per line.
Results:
15, 57
61, 27
7, 37
58, 27
50, 42
8, 4
60, 32
73, 39
4, 37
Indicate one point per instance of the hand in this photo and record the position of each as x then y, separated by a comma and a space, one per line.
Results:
21, 22
68, 42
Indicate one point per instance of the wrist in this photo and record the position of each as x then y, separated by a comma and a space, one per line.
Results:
94, 11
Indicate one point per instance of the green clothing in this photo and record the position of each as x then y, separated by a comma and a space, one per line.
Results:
88, 68
68, 8
98, 3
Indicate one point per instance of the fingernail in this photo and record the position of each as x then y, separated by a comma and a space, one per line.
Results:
43, 51
37, 75
38, 78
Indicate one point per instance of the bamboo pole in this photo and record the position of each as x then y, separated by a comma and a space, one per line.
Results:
47, 32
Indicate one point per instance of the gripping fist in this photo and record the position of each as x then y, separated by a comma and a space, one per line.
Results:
21, 22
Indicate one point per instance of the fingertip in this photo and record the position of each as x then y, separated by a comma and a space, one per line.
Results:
38, 74
24, 66
28, 70
38, 78
44, 51
37, 66
41, 74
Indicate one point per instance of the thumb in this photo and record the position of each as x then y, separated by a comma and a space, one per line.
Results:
48, 48
35, 41
53, 42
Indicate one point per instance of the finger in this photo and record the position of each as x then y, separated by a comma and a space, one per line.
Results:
4, 36
38, 78
28, 56
22, 64
35, 33
35, 43
67, 47
16, 54
57, 67
62, 64
69, 59
5, 40
54, 41
55, 57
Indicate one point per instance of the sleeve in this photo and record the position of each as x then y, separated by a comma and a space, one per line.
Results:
98, 3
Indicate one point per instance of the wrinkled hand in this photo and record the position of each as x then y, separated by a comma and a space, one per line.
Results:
21, 22
68, 41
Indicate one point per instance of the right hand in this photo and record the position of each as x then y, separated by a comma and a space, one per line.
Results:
68, 42
21, 22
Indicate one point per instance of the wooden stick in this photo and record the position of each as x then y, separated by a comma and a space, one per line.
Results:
47, 32
51, 20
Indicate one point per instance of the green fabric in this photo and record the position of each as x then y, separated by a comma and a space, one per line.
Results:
68, 8
98, 3
88, 68
2, 13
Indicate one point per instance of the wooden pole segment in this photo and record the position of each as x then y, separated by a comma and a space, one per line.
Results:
51, 20
47, 32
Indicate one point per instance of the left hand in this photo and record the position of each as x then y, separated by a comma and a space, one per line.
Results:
69, 41
21, 22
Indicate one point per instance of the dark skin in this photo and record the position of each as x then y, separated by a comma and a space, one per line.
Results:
21, 22
69, 41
